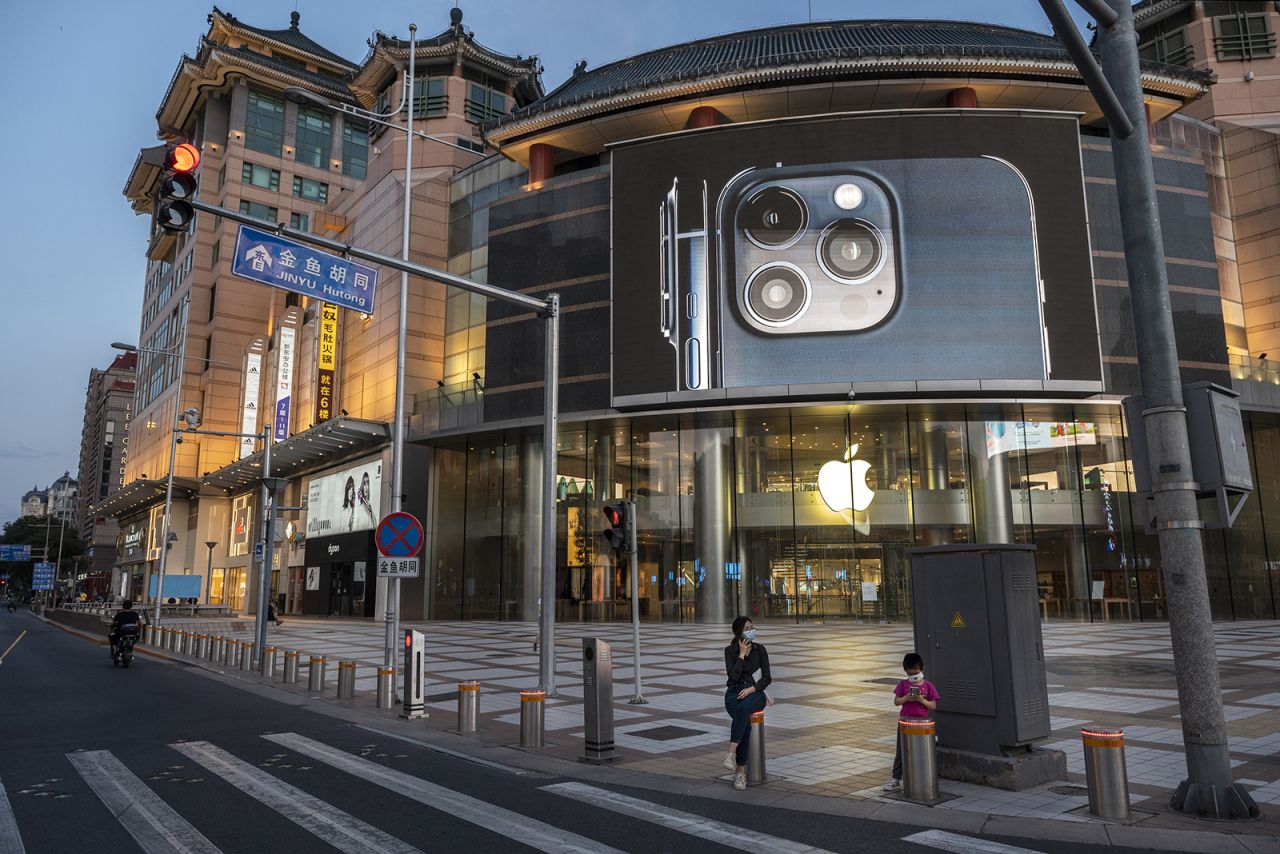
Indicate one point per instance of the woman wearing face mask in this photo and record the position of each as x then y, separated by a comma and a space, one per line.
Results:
743, 695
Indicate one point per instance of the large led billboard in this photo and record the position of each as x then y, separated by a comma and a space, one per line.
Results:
862, 248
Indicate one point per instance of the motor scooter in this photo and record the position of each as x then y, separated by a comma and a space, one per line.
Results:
122, 650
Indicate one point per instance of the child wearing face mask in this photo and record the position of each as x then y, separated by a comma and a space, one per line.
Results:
917, 698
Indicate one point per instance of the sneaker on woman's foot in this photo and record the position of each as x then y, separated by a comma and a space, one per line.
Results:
740, 781
731, 762
892, 785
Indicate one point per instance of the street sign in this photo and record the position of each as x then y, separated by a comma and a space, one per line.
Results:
397, 567
42, 576
257, 551
398, 535
10, 552
264, 257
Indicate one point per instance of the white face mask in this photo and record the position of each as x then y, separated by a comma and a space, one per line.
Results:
916, 679
749, 634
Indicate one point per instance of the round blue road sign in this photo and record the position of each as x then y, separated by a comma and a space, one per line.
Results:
399, 535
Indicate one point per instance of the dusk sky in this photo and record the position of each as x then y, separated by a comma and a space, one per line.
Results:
81, 82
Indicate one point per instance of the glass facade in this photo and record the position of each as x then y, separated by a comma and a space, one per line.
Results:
765, 512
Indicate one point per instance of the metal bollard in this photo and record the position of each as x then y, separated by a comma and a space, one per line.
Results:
149, 635
291, 667
165, 634
231, 652
269, 662
532, 717
469, 705
346, 680
919, 760
1104, 771
756, 772
246, 656
216, 645
187, 639
171, 640
202, 646
385, 700
315, 673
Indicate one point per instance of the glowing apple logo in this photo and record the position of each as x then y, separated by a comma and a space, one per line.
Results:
843, 484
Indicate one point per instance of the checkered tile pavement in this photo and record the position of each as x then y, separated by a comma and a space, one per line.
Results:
831, 728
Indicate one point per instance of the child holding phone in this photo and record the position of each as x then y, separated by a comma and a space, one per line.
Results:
916, 698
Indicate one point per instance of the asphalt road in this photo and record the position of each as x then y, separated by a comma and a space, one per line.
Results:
161, 758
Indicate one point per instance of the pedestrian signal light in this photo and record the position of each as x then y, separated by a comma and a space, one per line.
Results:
173, 207
616, 533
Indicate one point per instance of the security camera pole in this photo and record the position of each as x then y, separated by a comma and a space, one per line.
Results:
173, 458
1117, 86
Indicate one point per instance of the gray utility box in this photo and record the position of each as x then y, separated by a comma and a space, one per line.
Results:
977, 624
597, 699
1219, 453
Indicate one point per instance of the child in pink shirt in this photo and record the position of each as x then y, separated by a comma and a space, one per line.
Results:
917, 698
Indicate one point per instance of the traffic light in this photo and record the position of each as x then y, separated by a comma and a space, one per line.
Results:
173, 208
616, 533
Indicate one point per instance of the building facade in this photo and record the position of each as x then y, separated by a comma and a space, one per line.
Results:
790, 446
830, 292
104, 444
35, 502
319, 381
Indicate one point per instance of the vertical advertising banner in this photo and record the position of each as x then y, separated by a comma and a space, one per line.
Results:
249, 396
284, 374
327, 361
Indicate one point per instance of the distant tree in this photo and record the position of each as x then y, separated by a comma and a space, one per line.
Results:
31, 531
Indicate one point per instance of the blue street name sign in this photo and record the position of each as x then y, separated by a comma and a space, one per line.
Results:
9, 552
283, 263
42, 576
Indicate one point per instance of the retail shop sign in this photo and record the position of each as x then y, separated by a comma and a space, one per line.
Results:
397, 567
292, 266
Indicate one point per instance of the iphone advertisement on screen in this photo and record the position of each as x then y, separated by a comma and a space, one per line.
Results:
864, 248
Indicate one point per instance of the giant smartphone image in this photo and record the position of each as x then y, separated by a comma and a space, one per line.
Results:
823, 270
685, 274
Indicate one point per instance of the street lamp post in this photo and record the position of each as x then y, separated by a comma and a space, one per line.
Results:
212, 544
299, 95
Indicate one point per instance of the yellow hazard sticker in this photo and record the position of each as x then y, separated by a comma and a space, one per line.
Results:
957, 622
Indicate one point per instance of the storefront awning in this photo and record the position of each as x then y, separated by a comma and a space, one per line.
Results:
136, 496
323, 445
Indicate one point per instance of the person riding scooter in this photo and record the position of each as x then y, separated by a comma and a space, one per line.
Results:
126, 617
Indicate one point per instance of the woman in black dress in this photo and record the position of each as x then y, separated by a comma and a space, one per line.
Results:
743, 695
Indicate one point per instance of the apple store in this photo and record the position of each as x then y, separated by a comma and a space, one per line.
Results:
759, 512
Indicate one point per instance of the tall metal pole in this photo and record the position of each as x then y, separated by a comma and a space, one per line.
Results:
173, 458
390, 647
1208, 789
268, 546
57, 566
638, 698
550, 432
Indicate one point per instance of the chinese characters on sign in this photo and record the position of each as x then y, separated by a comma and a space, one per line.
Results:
284, 380
282, 263
326, 361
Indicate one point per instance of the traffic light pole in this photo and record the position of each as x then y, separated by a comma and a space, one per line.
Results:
549, 310
1208, 790
632, 551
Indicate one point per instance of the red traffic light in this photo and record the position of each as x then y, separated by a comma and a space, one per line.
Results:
408, 640
613, 514
183, 157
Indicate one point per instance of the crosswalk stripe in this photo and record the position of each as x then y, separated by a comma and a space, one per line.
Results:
150, 821
341, 830
695, 825
10, 839
529, 831
958, 844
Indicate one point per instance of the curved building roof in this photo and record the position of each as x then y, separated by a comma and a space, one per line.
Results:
809, 52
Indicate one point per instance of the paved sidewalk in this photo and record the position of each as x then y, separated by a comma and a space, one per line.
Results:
831, 728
